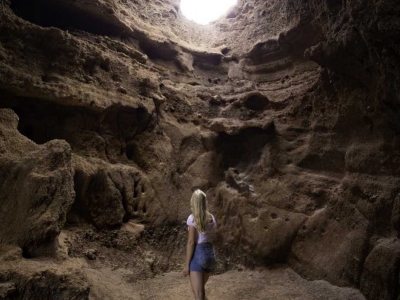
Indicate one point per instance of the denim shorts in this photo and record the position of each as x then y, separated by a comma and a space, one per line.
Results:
203, 259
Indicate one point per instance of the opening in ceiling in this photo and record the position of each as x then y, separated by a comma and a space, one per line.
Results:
205, 11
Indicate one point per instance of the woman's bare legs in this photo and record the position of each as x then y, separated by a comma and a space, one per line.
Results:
205, 279
197, 282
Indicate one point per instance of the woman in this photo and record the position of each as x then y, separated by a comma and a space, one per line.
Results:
200, 258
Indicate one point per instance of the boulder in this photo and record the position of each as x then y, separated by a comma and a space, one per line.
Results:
36, 187
261, 230
331, 245
108, 195
380, 278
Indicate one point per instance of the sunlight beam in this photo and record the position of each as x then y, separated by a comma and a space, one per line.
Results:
205, 11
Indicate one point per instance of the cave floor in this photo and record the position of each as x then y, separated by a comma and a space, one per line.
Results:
277, 283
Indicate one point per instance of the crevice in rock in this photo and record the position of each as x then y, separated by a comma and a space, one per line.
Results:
78, 212
244, 148
396, 288
47, 13
26, 253
158, 50
256, 101
42, 121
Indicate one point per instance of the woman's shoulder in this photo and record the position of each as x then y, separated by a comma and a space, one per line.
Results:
190, 221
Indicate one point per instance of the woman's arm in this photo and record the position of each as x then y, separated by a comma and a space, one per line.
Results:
189, 249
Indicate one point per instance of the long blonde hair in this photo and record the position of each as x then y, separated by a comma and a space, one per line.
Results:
198, 206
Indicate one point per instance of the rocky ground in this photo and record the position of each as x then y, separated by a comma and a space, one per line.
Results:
284, 112
263, 284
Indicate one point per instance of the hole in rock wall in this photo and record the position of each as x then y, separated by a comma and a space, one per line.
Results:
205, 11
47, 13
42, 121
244, 148
256, 102
78, 210
26, 253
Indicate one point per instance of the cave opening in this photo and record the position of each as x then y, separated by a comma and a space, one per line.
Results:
40, 120
256, 101
243, 149
57, 14
26, 253
205, 11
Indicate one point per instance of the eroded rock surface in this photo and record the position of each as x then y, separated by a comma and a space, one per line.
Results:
284, 112
36, 188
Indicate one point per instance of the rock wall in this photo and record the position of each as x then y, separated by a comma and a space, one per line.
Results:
36, 188
284, 112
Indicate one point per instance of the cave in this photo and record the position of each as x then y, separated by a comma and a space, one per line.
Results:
284, 113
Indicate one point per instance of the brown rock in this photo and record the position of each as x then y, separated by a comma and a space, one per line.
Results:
265, 232
6, 289
339, 230
108, 194
310, 121
232, 127
185, 62
36, 179
381, 271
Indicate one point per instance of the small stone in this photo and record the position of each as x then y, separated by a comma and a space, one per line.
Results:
91, 254
122, 90
215, 100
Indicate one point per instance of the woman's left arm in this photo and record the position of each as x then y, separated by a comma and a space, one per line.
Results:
189, 249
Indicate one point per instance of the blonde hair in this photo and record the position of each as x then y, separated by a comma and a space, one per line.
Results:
198, 206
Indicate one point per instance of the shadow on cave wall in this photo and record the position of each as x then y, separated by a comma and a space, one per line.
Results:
243, 149
47, 13
42, 121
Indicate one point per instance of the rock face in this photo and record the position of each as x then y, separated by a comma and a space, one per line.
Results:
36, 188
284, 112
379, 279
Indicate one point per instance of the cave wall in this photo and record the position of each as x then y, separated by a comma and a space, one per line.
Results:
284, 112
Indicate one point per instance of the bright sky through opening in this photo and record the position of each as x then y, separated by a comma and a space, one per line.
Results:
205, 11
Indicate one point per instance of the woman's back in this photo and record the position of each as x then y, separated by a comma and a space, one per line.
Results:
206, 236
